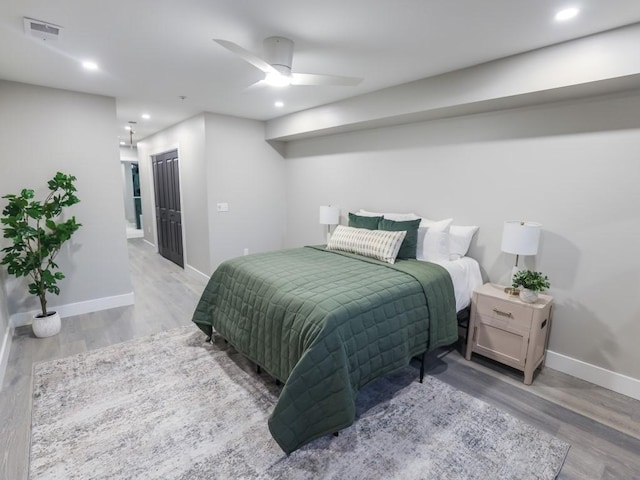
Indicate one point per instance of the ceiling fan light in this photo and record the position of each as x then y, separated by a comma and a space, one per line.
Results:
277, 80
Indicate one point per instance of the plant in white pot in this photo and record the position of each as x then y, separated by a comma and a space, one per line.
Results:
530, 283
36, 236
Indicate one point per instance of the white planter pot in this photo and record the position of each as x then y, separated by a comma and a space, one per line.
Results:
528, 296
46, 326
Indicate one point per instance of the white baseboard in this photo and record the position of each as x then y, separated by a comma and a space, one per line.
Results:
147, 241
591, 373
198, 272
79, 308
5, 347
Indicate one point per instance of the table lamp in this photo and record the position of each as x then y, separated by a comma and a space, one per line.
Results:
329, 215
520, 238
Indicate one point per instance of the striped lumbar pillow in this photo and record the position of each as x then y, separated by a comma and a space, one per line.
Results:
379, 244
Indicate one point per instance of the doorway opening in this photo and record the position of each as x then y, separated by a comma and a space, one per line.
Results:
132, 199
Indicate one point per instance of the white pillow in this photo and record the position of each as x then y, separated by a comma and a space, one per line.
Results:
379, 244
433, 240
460, 239
396, 217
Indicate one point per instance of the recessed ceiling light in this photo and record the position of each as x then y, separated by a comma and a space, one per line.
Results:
566, 14
122, 143
146, 116
88, 65
128, 127
279, 104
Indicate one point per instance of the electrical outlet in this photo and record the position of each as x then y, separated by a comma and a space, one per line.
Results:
246, 251
222, 207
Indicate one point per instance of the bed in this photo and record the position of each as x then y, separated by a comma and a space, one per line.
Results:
327, 323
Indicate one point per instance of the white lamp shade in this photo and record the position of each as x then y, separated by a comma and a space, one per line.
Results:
329, 215
521, 238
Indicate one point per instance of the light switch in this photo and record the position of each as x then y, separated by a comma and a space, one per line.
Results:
222, 207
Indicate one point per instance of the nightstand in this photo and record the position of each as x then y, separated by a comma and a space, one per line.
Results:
508, 330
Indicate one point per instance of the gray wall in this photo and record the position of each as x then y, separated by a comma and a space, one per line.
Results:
45, 130
222, 159
247, 173
189, 138
5, 330
4, 311
571, 166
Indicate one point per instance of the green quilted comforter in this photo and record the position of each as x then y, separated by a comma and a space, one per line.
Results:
326, 324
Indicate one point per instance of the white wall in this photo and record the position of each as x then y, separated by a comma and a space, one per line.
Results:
247, 173
45, 130
571, 166
128, 154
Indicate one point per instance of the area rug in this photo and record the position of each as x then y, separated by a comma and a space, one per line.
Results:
172, 406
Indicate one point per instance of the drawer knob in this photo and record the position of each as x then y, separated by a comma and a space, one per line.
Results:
504, 314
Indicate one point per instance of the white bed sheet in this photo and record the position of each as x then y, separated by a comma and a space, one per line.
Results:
466, 277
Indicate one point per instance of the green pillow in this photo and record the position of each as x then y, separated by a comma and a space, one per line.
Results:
359, 221
410, 242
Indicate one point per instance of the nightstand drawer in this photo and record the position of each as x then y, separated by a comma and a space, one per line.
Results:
505, 346
504, 314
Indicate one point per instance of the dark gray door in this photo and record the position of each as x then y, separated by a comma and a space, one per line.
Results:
168, 214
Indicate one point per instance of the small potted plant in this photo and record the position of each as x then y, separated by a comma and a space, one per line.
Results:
530, 283
36, 238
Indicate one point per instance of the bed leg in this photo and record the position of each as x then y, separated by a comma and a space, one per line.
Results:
424, 361
278, 383
258, 369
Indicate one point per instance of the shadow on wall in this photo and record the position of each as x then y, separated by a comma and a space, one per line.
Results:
587, 330
564, 270
605, 336
565, 118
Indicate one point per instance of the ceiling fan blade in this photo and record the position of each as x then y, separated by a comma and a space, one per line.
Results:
260, 84
246, 55
315, 79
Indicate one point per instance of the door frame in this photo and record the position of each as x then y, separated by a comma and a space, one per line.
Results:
152, 189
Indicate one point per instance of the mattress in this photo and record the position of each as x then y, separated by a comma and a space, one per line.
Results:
466, 277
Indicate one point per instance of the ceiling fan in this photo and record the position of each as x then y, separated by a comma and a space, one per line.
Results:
276, 64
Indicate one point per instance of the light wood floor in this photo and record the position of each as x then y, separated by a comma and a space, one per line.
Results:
602, 427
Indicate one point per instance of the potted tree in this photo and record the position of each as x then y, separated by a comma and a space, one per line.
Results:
36, 237
530, 283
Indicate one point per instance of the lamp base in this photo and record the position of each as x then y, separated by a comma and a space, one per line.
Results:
512, 291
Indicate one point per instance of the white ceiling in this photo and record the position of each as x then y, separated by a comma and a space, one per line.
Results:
151, 52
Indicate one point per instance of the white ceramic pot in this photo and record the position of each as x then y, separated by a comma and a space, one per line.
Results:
46, 326
528, 296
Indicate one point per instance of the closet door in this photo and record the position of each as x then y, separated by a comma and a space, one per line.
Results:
168, 213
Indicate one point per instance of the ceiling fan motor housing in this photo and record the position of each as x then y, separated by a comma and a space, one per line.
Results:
278, 52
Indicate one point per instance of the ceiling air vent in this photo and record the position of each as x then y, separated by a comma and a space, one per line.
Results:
42, 30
